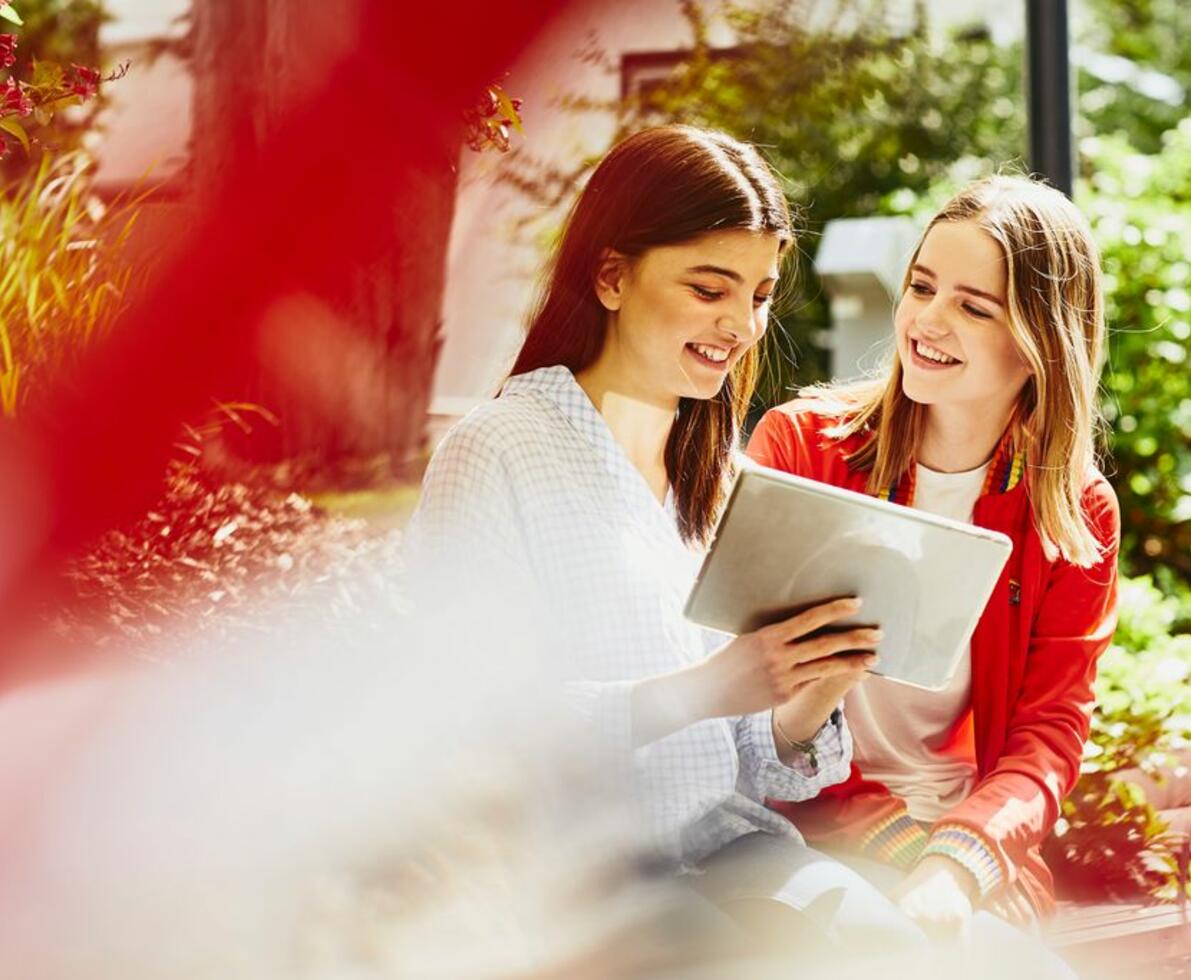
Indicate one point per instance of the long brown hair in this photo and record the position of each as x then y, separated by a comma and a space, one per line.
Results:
1056, 317
661, 186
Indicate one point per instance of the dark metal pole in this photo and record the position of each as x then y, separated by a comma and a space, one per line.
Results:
1048, 90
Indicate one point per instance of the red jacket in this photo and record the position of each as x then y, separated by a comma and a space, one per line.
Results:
1034, 656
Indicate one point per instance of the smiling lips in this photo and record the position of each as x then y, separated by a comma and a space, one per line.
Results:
711, 355
932, 355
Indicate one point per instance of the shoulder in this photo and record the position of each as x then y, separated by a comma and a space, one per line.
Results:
794, 435
1101, 508
495, 431
808, 416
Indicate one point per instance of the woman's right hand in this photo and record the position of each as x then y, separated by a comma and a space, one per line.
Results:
760, 670
763, 669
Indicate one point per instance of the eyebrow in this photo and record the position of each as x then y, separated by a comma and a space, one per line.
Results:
971, 290
719, 270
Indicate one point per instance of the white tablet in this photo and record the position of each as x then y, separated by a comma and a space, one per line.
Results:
786, 543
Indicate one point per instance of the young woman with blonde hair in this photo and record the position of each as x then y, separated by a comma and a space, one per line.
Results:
988, 414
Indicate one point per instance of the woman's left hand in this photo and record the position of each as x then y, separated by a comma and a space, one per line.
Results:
938, 895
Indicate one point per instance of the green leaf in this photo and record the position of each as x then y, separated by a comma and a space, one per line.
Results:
47, 74
10, 125
11, 15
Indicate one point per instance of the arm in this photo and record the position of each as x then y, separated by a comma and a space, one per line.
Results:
769, 768
467, 531
468, 539
1017, 803
757, 671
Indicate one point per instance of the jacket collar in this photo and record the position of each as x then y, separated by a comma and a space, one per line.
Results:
1005, 472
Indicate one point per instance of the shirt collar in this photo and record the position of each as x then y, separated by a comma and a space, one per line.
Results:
557, 385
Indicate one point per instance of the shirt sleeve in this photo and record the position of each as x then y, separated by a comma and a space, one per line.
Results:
763, 775
471, 573
473, 593
467, 522
605, 707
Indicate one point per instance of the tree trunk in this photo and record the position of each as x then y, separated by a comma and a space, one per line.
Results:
348, 374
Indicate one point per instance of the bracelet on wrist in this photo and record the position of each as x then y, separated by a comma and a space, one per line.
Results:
807, 748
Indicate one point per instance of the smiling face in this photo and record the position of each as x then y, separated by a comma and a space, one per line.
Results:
953, 336
681, 316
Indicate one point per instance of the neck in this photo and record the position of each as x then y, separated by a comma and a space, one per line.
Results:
640, 422
960, 438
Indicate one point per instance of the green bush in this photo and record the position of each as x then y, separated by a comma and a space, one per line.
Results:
1147, 36
1110, 841
1143, 688
1140, 208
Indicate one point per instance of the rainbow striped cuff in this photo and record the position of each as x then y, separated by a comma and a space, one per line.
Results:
898, 840
969, 850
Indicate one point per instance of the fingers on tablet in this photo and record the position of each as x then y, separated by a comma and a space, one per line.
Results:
813, 670
830, 644
817, 617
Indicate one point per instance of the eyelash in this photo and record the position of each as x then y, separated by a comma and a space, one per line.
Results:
920, 289
711, 295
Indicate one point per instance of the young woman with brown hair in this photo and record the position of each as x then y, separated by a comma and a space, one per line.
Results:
594, 481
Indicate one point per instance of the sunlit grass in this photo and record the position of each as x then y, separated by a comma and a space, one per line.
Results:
384, 508
63, 277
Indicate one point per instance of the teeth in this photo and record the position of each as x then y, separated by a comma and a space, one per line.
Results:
712, 353
933, 355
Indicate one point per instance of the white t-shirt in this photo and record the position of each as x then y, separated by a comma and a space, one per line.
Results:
919, 743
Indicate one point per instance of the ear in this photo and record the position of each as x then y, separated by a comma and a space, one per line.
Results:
610, 279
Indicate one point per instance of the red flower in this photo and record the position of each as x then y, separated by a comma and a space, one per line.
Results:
14, 100
8, 47
85, 82
3, 148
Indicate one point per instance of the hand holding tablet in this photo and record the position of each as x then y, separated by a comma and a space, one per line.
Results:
786, 544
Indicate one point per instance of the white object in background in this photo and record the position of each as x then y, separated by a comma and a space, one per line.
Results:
861, 262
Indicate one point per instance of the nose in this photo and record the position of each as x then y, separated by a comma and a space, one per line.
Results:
740, 324
930, 319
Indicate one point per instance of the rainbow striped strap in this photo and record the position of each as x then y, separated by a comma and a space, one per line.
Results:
968, 849
1005, 471
898, 840
901, 492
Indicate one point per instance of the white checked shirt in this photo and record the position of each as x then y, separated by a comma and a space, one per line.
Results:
532, 492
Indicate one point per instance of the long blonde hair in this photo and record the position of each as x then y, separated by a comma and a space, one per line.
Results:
1056, 317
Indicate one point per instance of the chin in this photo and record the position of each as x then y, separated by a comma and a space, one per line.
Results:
705, 392
916, 390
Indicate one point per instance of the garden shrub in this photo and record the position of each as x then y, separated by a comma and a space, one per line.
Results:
1110, 841
212, 560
